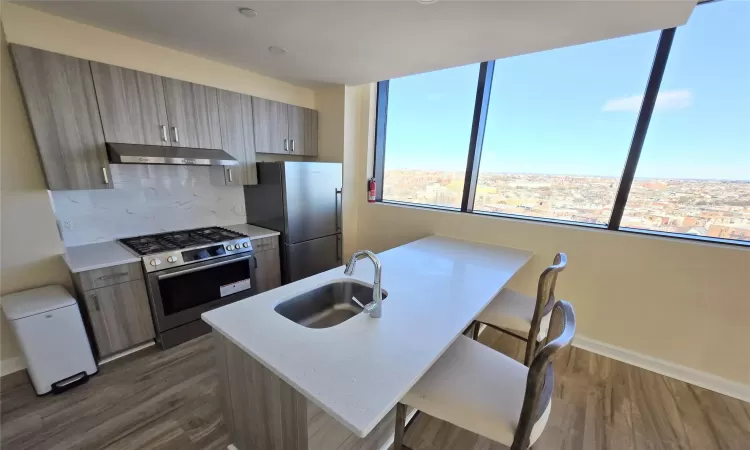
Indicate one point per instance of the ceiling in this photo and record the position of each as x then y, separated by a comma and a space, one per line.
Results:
354, 42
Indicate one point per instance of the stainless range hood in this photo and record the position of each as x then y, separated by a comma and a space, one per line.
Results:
156, 154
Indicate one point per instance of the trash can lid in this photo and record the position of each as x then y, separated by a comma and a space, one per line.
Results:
36, 301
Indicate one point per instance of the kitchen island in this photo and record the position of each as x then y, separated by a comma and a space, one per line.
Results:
286, 386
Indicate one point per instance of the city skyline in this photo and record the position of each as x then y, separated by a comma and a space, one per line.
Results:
712, 208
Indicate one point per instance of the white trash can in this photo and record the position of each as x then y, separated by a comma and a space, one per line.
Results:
52, 337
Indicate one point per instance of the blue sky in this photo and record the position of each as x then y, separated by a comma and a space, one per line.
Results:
573, 110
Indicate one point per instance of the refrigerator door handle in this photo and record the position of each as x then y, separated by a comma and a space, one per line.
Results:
337, 212
338, 249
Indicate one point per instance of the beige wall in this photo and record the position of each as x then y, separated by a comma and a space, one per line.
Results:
329, 101
29, 243
687, 303
33, 28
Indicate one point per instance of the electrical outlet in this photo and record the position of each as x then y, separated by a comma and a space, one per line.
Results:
68, 225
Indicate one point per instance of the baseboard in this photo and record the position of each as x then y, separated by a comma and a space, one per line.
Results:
10, 365
702, 379
127, 352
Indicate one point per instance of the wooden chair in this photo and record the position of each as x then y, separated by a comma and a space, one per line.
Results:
488, 393
511, 311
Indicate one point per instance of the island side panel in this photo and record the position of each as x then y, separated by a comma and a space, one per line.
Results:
262, 411
326, 433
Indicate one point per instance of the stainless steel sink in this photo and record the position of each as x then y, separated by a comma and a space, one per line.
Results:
327, 305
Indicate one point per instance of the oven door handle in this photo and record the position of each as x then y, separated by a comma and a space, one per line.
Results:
207, 266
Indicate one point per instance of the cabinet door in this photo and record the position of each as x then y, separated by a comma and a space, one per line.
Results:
247, 126
120, 316
303, 131
268, 273
61, 104
193, 114
311, 132
270, 126
233, 137
131, 104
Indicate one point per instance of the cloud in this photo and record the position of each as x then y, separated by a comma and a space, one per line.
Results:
665, 100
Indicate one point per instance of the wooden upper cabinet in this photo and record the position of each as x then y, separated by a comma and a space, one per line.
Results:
131, 104
303, 131
270, 126
193, 113
61, 104
284, 129
235, 116
249, 131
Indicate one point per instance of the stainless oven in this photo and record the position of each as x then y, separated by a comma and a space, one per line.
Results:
180, 295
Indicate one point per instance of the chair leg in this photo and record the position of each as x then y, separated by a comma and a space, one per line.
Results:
398, 441
475, 331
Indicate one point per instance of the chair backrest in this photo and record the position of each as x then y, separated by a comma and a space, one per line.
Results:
545, 299
540, 380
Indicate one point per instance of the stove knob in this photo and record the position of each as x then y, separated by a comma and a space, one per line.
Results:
237, 246
172, 259
246, 245
155, 262
229, 247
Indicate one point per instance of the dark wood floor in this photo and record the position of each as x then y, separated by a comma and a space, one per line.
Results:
167, 400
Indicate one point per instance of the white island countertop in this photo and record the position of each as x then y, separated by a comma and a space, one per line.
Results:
358, 370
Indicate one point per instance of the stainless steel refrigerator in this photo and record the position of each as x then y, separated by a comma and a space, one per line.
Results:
301, 200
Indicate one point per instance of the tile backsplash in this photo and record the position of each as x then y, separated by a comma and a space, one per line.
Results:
146, 199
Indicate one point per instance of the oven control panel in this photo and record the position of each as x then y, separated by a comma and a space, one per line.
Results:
166, 260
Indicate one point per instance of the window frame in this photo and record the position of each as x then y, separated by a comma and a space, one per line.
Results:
481, 106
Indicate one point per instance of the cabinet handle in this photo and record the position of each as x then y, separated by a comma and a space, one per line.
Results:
106, 177
286, 145
176, 136
292, 145
229, 174
164, 136
96, 302
114, 275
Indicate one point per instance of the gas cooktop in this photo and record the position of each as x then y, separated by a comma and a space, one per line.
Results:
177, 248
178, 240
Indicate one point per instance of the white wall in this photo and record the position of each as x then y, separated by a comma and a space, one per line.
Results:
682, 302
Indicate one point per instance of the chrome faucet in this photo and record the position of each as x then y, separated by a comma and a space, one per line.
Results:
375, 307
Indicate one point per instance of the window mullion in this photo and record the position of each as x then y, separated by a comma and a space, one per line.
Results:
484, 86
641, 127
380, 125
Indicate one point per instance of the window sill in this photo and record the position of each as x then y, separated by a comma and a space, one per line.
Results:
591, 226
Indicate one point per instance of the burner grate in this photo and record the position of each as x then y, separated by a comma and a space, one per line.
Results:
176, 240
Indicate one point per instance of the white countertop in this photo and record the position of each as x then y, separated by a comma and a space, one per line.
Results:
107, 254
96, 256
358, 370
251, 231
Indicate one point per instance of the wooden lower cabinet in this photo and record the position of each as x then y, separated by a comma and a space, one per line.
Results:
268, 273
120, 316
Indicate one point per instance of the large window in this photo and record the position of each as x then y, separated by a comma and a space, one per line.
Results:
428, 129
693, 175
556, 138
645, 133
